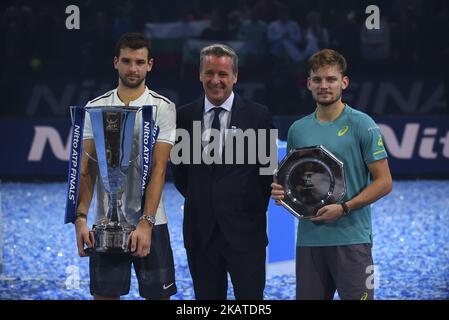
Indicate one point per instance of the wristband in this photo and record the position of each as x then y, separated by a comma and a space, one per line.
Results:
345, 208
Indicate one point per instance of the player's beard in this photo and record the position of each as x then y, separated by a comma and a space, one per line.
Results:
326, 103
131, 85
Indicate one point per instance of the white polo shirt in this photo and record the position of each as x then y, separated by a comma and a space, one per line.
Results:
165, 118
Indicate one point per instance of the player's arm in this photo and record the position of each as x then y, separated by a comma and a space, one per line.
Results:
88, 174
381, 185
153, 191
141, 237
372, 147
179, 172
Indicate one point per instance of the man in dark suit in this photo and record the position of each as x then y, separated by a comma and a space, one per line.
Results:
225, 204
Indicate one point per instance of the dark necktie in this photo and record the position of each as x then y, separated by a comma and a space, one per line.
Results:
216, 123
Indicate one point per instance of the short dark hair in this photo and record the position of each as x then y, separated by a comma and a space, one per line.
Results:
220, 50
133, 40
325, 58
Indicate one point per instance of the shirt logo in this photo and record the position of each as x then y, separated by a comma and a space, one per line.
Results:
166, 287
343, 131
380, 143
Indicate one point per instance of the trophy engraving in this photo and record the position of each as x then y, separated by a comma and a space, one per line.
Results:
312, 177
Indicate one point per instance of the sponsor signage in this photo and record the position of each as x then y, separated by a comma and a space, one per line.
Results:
39, 148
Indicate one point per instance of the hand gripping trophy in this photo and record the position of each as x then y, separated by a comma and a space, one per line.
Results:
312, 177
113, 131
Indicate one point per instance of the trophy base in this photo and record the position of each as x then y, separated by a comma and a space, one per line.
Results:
112, 238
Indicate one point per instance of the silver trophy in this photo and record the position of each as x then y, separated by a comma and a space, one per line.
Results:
113, 130
312, 177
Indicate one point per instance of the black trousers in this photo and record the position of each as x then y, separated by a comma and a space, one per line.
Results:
210, 266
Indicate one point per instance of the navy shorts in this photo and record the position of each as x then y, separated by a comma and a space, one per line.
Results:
110, 274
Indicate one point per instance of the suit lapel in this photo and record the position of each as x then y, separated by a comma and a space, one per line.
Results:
197, 115
237, 117
198, 110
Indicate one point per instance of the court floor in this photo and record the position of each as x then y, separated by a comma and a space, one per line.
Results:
40, 261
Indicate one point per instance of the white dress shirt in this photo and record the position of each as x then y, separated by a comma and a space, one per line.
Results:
208, 117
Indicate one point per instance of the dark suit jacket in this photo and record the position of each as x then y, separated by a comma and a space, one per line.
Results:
234, 196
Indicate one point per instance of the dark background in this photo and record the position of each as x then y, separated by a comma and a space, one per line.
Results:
36, 48
400, 72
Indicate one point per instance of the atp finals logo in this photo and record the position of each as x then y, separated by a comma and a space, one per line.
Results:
74, 163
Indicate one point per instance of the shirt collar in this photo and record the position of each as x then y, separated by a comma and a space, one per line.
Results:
140, 101
227, 105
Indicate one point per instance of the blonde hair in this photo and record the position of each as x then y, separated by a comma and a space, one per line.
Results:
220, 50
325, 58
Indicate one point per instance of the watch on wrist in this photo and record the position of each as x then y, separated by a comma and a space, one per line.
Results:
150, 219
345, 208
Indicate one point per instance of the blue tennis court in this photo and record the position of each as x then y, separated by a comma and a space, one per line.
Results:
40, 261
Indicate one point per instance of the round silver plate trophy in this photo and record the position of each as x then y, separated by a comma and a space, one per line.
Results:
113, 131
312, 177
